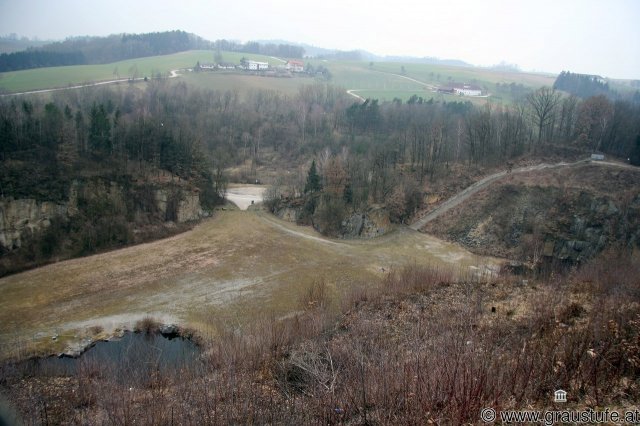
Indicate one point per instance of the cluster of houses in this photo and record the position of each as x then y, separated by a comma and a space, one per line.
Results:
461, 89
251, 65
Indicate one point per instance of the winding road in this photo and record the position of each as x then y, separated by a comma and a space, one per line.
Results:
486, 181
172, 74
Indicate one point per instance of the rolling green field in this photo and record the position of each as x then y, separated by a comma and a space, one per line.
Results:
380, 80
386, 80
243, 83
45, 78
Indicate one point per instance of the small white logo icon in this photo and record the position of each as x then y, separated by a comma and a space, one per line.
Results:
560, 396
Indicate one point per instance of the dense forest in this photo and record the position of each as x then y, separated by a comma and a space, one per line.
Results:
366, 154
269, 49
585, 86
103, 50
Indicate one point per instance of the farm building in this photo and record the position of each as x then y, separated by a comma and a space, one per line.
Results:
254, 65
461, 89
294, 66
226, 66
467, 90
207, 66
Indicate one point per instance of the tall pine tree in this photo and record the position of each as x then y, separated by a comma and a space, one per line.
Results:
313, 180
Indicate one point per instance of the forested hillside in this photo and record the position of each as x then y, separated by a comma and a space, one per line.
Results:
118, 47
368, 155
101, 50
585, 86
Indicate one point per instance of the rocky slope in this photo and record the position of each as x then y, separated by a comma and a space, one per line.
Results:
565, 215
98, 213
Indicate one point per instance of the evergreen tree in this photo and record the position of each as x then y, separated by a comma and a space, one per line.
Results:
634, 158
313, 180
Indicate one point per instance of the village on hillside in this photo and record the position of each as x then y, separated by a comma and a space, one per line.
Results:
288, 69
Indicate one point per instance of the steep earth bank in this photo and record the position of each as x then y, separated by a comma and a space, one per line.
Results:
566, 215
99, 213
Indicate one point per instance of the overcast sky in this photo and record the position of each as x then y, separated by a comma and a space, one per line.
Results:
587, 36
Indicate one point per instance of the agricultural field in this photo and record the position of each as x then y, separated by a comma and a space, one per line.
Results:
243, 83
54, 77
381, 80
389, 80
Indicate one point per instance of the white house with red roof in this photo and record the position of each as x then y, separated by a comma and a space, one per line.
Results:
294, 65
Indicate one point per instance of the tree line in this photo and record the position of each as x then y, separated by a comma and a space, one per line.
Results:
118, 47
101, 50
268, 49
585, 86
368, 153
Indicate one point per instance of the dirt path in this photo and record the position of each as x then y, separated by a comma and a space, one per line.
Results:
351, 93
430, 86
278, 224
172, 74
237, 265
486, 181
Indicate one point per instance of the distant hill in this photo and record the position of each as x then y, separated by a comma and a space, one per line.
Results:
13, 43
425, 60
278, 48
363, 55
101, 50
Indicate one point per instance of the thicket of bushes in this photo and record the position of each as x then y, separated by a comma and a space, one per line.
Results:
427, 345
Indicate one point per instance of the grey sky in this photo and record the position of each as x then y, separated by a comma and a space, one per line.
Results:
588, 36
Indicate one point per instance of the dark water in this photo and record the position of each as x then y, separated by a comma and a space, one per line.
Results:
130, 359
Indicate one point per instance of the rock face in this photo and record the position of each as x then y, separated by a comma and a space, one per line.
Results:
289, 214
371, 224
178, 205
535, 224
26, 217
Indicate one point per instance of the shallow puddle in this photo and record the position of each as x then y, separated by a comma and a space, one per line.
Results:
131, 358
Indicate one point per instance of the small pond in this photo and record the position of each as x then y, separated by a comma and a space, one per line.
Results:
131, 358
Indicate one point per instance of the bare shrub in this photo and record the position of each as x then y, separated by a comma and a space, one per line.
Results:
147, 325
315, 296
418, 349
420, 278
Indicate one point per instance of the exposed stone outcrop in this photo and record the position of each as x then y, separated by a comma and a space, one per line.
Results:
368, 224
289, 214
535, 224
371, 224
18, 217
25, 217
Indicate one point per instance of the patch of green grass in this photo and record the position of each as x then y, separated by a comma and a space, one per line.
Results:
54, 77
386, 80
383, 80
243, 83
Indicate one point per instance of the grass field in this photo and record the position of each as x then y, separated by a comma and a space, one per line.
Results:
386, 80
44, 78
244, 83
236, 266
381, 80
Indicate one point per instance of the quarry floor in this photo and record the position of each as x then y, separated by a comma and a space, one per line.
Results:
233, 267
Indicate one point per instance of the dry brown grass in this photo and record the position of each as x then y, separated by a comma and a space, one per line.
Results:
240, 265
422, 347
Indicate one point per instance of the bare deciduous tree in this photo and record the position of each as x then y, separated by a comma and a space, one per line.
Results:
543, 104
